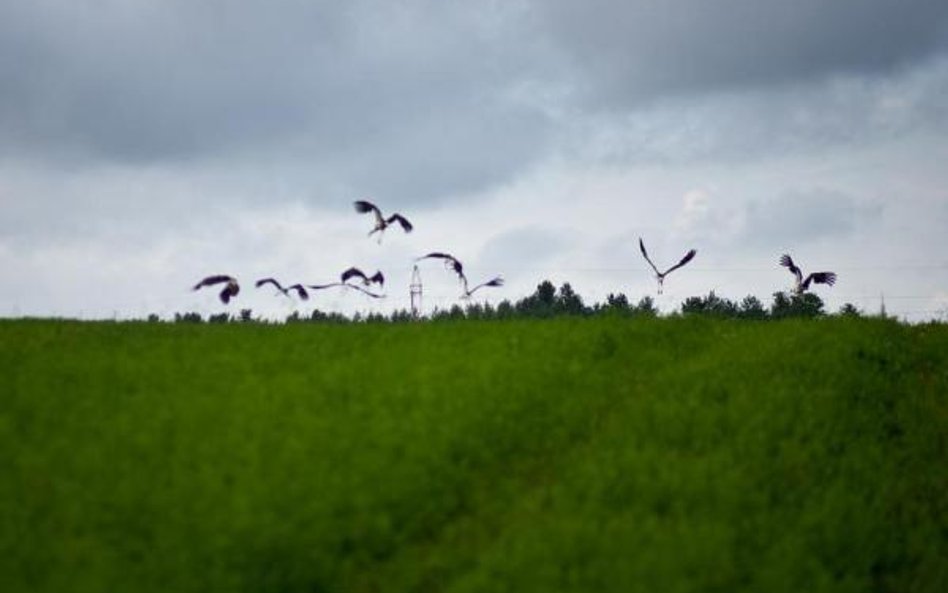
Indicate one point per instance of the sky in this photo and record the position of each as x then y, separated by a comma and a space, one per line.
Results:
145, 145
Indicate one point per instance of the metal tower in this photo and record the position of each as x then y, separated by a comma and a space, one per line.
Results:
414, 290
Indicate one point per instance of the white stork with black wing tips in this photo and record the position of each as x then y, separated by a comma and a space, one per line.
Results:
230, 290
660, 276
300, 290
381, 223
354, 272
450, 262
803, 285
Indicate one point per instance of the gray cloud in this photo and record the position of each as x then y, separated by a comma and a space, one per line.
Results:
627, 53
798, 217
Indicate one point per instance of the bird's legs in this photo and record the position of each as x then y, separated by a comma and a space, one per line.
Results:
661, 283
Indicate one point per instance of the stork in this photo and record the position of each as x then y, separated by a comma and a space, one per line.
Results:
230, 290
450, 262
660, 276
354, 272
381, 223
801, 284
299, 288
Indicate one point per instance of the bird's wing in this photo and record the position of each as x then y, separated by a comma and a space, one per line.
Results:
400, 220
435, 254
322, 286
272, 281
498, 281
645, 255
212, 280
378, 278
231, 290
300, 291
820, 278
363, 207
353, 273
787, 262
688, 257
368, 292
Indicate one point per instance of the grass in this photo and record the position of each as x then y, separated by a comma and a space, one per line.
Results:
562, 455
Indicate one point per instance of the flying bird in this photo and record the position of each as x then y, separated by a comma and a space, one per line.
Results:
381, 223
354, 272
231, 287
450, 262
802, 285
497, 281
660, 276
299, 288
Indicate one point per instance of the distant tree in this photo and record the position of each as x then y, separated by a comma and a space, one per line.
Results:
153, 318
246, 315
849, 310
540, 304
709, 305
804, 305
218, 318
505, 310
752, 308
646, 307
568, 302
401, 316
188, 318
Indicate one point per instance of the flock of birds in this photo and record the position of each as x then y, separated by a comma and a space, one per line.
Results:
363, 282
353, 277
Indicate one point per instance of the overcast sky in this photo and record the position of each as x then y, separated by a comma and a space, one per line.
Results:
144, 145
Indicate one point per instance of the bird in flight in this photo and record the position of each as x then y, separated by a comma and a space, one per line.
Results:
450, 262
802, 285
660, 276
231, 287
454, 264
381, 223
354, 272
299, 288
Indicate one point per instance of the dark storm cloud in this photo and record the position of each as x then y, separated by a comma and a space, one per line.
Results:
624, 53
408, 94
421, 100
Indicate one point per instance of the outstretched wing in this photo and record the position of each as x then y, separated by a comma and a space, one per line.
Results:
787, 262
300, 291
354, 273
272, 281
363, 207
400, 220
363, 290
688, 257
449, 260
378, 278
212, 280
645, 255
498, 281
820, 278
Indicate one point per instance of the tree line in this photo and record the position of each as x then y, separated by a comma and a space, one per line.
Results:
547, 302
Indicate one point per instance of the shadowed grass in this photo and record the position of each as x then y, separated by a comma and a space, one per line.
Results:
562, 455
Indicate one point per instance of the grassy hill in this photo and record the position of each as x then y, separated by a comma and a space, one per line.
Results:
561, 455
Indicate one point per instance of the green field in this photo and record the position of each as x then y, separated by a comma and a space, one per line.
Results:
588, 455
